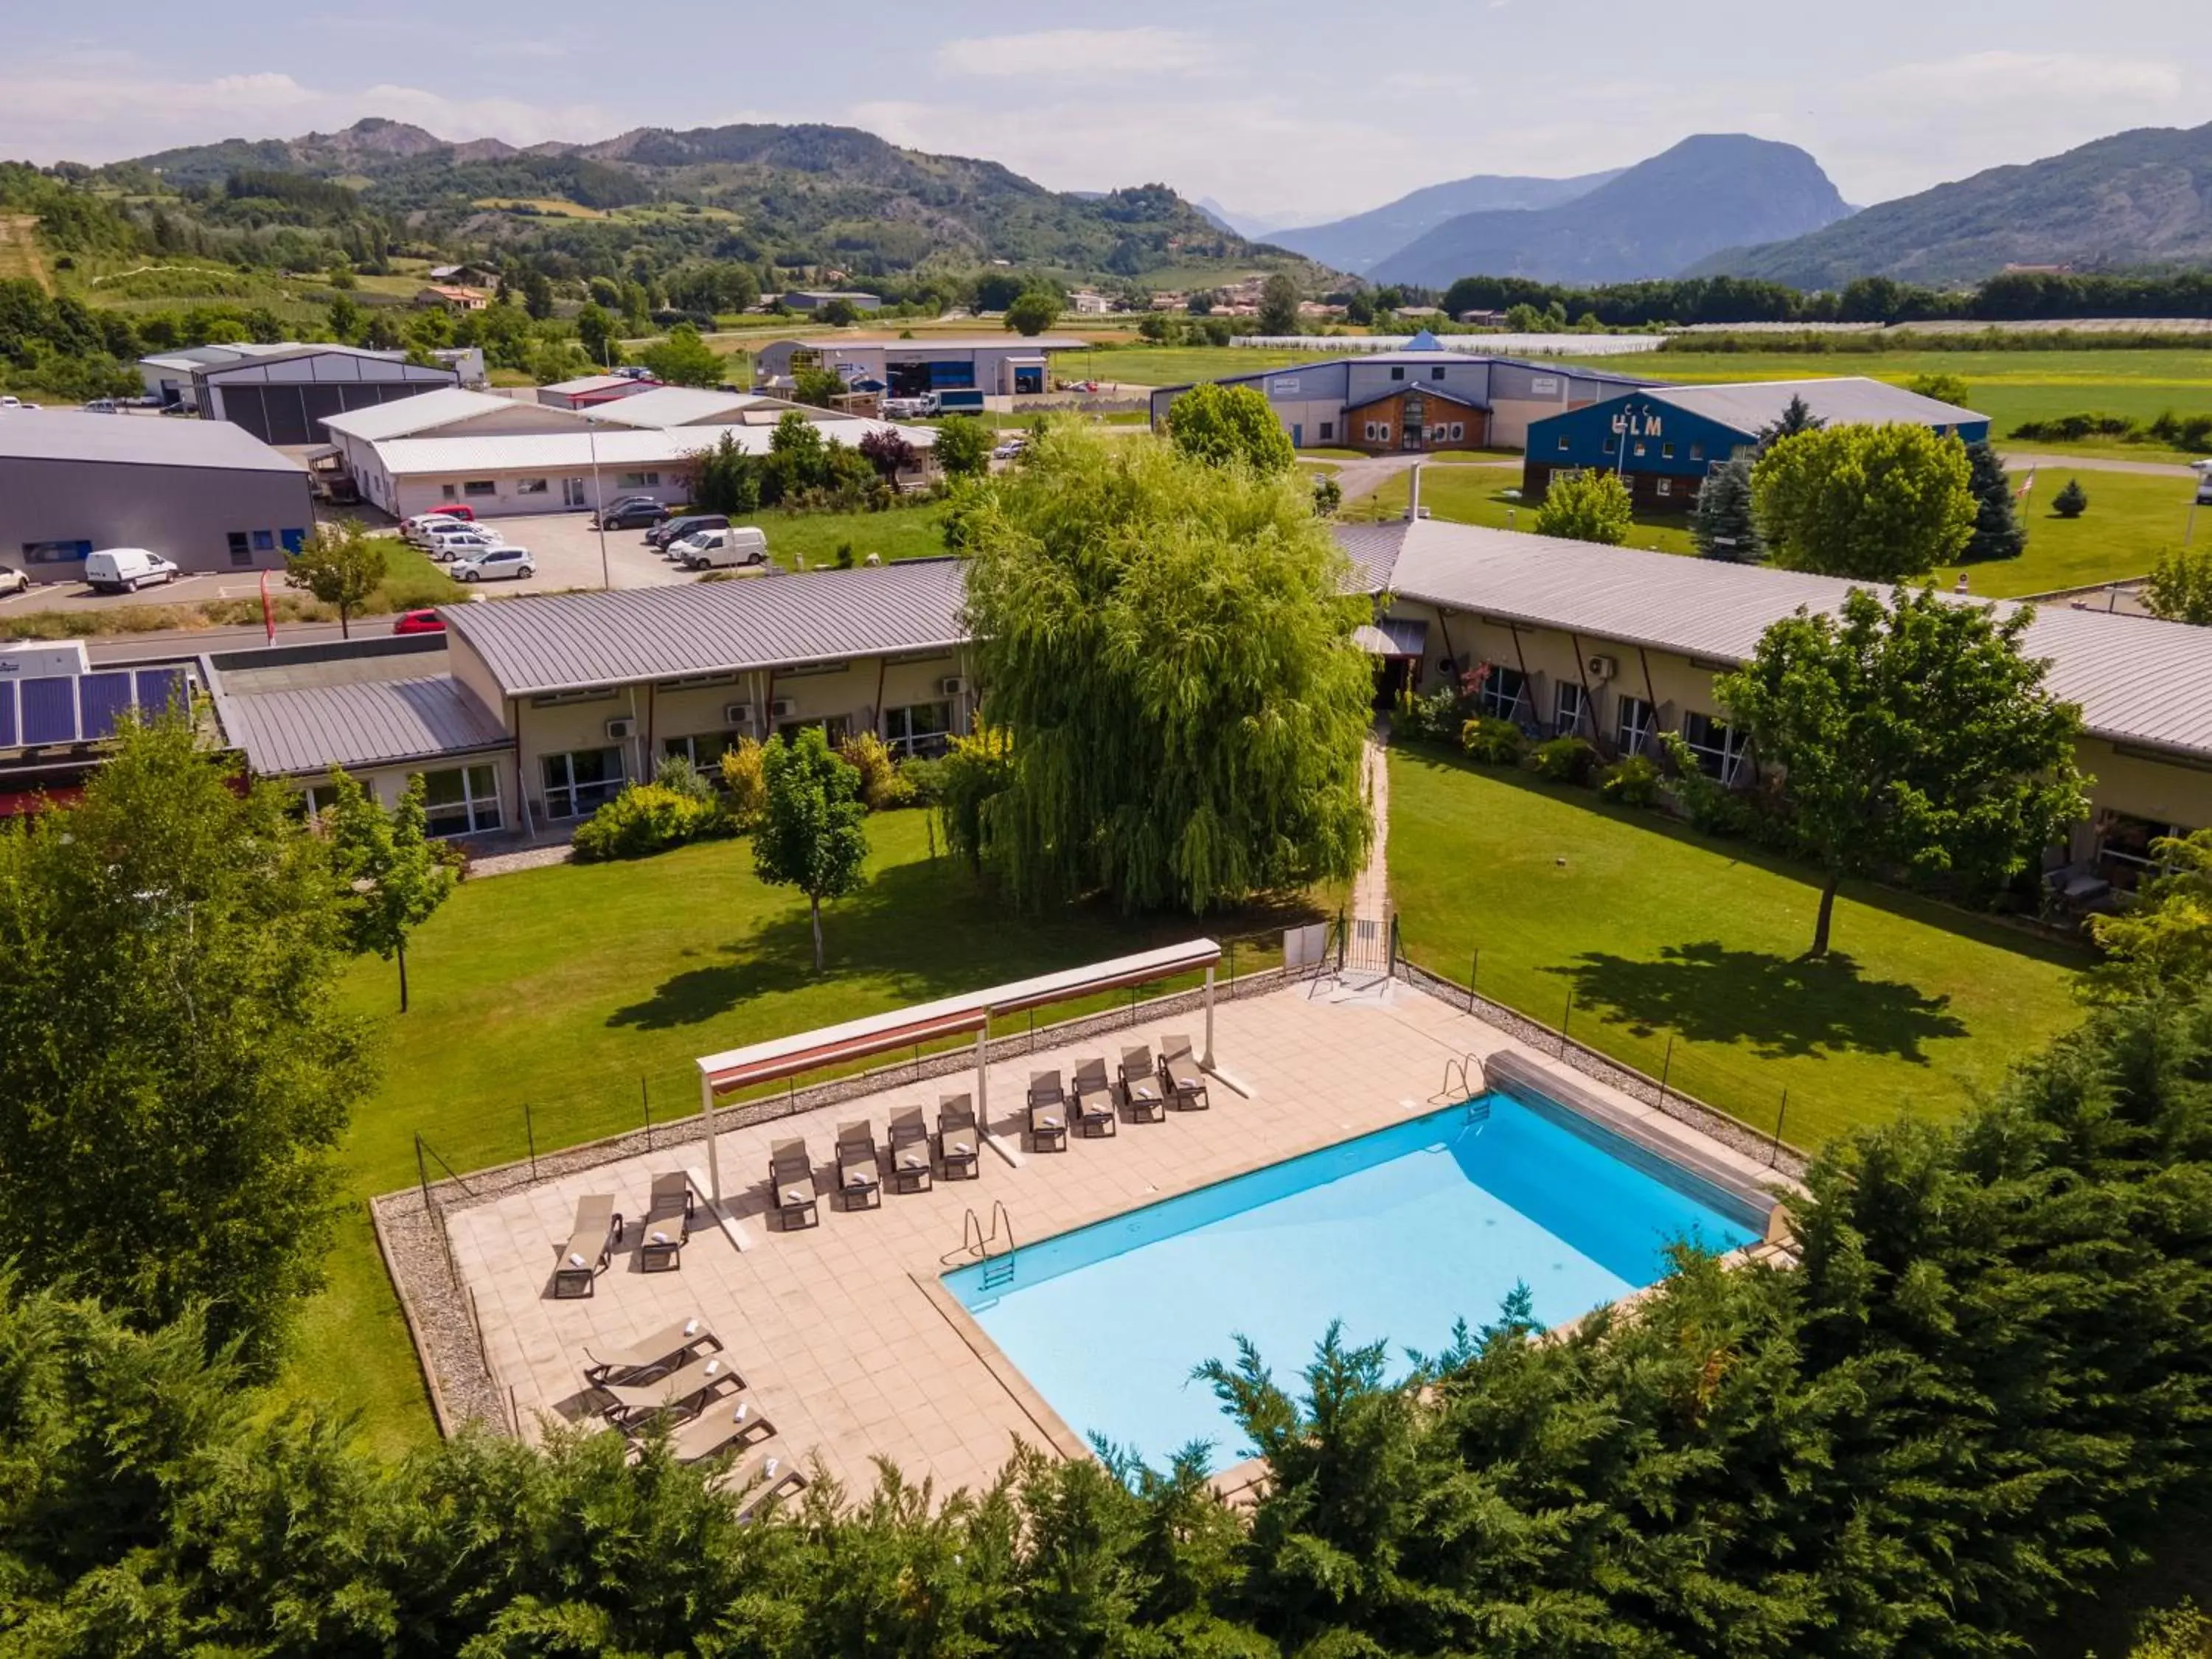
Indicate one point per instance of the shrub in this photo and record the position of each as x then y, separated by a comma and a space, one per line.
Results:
1433, 719
744, 786
1587, 507
2072, 502
1563, 760
676, 774
1632, 780
1328, 496
647, 819
881, 788
1492, 742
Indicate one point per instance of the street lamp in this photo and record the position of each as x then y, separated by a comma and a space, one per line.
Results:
598, 495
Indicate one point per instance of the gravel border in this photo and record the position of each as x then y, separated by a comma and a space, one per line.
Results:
443, 1323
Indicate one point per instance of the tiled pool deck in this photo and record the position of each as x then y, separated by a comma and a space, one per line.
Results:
841, 1332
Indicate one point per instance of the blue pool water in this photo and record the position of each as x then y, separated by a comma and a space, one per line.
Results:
1398, 1234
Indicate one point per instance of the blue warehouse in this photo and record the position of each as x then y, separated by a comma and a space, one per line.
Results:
1663, 439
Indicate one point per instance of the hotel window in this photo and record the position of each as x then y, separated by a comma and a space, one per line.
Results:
264, 541
1612, 445
1697, 451
1567, 709
1458, 430
637, 481
242, 550
1666, 452
1566, 443
479, 487
1638, 723
835, 728
530, 486
449, 492
1639, 445
1329, 431
704, 750
1437, 372
1719, 748
462, 800
318, 799
578, 782
1504, 695
919, 729
1382, 432
1663, 486
1398, 373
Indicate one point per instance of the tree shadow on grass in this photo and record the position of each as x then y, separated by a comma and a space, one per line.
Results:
1784, 1007
919, 932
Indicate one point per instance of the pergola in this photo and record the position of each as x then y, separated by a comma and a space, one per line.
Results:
779, 1058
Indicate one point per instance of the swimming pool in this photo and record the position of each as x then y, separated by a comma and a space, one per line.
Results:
1397, 1233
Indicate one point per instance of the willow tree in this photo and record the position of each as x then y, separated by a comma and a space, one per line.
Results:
1167, 646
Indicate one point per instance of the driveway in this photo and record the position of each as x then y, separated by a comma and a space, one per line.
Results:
566, 551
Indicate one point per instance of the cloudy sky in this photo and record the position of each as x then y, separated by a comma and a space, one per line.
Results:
1289, 112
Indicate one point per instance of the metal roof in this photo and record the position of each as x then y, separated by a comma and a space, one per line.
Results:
593, 383
1845, 401
1373, 550
564, 642
311, 728
679, 405
404, 415
502, 452
2136, 680
69, 434
284, 354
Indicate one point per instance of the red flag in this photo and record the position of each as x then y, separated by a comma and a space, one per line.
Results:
2021, 495
268, 610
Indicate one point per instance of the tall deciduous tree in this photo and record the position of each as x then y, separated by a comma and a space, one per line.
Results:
683, 359
1032, 312
2180, 586
1912, 736
1222, 424
962, 447
174, 1073
342, 564
1721, 523
2164, 940
1278, 305
395, 879
595, 332
812, 833
1168, 647
1878, 503
1587, 507
1998, 532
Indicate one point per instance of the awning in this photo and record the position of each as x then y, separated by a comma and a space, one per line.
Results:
1393, 636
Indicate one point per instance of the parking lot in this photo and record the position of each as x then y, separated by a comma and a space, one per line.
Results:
566, 550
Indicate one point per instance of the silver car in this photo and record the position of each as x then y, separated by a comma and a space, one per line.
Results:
495, 564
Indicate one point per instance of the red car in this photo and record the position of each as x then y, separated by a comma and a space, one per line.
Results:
420, 622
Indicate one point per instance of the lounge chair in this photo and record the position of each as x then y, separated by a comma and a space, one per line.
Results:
1094, 1099
859, 1173
1179, 1074
1048, 1113
674, 1345
957, 1142
791, 1184
1140, 1087
718, 1426
682, 1391
667, 1225
910, 1170
767, 1478
591, 1246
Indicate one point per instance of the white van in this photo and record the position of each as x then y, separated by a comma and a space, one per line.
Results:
721, 550
126, 569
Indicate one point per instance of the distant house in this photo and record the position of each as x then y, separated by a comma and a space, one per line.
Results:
815, 298
1084, 303
974, 371
465, 275
451, 297
1481, 318
1662, 439
590, 389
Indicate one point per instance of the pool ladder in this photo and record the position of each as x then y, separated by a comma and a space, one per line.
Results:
1473, 1085
998, 1263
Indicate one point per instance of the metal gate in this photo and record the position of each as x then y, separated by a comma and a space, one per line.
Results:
1366, 947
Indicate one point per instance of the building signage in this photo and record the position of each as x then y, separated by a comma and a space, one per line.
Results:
1284, 388
1637, 423
1544, 386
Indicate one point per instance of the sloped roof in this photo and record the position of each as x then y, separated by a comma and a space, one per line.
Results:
563, 641
498, 451
1845, 401
69, 434
2136, 680
311, 728
403, 416
677, 405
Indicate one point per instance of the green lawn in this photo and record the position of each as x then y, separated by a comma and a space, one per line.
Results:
587, 990
2131, 520
1149, 364
1656, 930
916, 531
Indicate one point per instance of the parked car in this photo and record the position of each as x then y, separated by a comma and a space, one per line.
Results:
1009, 449
13, 581
665, 535
419, 621
126, 569
445, 518
103, 406
495, 564
905, 408
629, 514
461, 542
721, 550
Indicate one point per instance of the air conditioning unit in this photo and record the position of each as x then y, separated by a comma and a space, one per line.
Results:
617, 730
951, 686
1603, 668
783, 709
737, 713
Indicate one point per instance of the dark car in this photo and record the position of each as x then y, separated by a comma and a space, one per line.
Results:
675, 529
419, 621
627, 515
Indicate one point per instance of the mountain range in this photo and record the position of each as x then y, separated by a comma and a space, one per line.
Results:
1364, 240
2138, 198
799, 195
